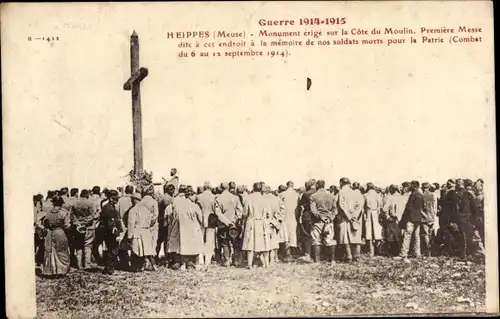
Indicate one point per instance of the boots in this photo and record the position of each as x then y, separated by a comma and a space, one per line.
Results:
307, 251
317, 256
87, 258
331, 255
79, 258
371, 252
288, 254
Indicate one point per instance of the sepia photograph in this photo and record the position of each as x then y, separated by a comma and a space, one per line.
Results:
249, 159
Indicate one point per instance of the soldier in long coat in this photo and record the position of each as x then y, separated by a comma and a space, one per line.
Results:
190, 220
140, 236
373, 229
390, 222
276, 210
230, 206
290, 200
256, 237
151, 204
210, 212
350, 211
173, 237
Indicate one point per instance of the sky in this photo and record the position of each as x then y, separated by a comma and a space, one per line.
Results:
373, 113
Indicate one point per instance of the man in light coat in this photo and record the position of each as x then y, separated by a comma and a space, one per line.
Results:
151, 204
256, 237
350, 214
206, 201
190, 219
276, 210
373, 229
290, 200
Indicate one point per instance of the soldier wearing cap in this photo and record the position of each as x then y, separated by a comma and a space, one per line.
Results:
323, 212
428, 218
373, 229
83, 218
210, 215
305, 220
275, 208
465, 217
290, 200
447, 237
151, 204
112, 227
256, 238
390, 219
350, 213
190, 219
125, 203
411, 222
230, 206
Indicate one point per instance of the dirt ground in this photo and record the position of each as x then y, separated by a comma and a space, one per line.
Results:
378, 285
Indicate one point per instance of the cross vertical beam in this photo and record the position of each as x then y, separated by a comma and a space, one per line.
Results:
133, 84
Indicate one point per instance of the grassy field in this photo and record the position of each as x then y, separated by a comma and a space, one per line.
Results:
378, 285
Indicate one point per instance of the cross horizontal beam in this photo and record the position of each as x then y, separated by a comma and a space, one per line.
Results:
138, 76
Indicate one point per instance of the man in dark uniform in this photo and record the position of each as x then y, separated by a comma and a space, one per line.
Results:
323, 211
465, 217
305, 220
83, 217
230, 206
166, 200
112, 227
411, 222
446, 236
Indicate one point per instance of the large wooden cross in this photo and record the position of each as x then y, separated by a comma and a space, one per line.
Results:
133, 84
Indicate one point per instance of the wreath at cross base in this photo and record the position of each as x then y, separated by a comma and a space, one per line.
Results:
143, 179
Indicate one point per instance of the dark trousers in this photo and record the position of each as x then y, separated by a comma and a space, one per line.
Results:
226, 243
111, 257
391, 249
123, 257
39, 249
306, 239
137, 263
98, 240
162, 239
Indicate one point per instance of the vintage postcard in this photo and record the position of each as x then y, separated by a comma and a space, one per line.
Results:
249, 159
